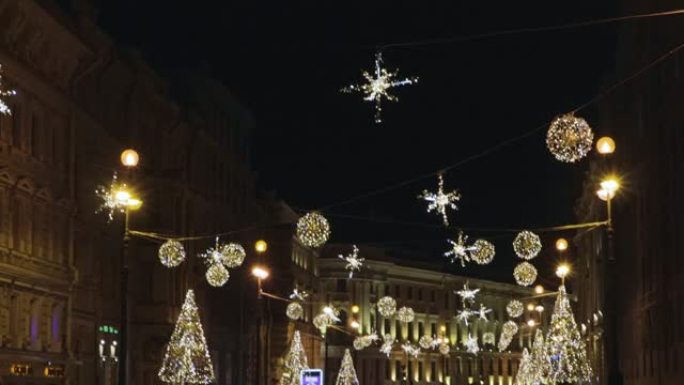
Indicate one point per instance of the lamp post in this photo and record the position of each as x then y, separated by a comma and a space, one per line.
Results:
260, 273
128, 202
608, 190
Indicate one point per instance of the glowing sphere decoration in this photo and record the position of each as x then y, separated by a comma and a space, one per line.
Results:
515, 308
233, 255
171, 253
387, 306
444, 349
527, 245
569, 138
482, 252
359, 343
426, 342
294, 311
525, 274
313, 230
406, 315
509, 328
217, 275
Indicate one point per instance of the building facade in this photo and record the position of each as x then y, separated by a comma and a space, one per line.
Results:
431, 294
640, 291
80, 101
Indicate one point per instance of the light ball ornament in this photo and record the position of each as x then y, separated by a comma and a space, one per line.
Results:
387, 306
321, 322
515, 308
569, 138
313, 230
294, 311
406, 315
233, 255
171, 253
444, 349
525, 274
217, 275
482, 252
426, 342
510, 328
527, 245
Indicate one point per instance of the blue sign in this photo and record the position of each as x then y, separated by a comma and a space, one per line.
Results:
311, 377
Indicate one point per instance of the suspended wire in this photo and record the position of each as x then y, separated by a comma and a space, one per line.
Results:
509, 141
509, 32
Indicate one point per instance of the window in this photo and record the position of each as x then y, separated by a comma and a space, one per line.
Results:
421, 329
432, 295
433, 371
420, 373
410, 293
398, 370
446, 300
17, 137
420, 295
341, 285
396, 291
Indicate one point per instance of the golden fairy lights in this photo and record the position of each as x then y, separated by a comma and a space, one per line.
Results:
171, 253
569, 138
313, 230
527, 245
515, 308
4, 107
525, 274
387, 306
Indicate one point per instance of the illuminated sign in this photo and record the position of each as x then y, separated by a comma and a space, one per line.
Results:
311, 377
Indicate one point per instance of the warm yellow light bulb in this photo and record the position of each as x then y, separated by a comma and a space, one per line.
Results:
531, 323
539, 308
530, 306
563, 270
561, 244
605, 195
539, 289
355, 309
122, 196
260, 272
605, 145
130, 158
134, 204
355, 325
261, 246
610, 184
442, 328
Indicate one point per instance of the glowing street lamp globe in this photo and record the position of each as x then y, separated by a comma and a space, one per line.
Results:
130, 158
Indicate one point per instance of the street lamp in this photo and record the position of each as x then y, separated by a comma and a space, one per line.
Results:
260, 273
562, 271
539, 289
561, 244
261, 246
605, 145
127, 200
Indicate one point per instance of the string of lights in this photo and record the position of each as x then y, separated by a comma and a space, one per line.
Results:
519, 31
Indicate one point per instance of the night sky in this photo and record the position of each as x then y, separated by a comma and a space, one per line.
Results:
285, 61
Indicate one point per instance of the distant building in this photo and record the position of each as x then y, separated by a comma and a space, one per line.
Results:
431, 294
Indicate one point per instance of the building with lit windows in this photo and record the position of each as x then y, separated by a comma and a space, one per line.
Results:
430, 293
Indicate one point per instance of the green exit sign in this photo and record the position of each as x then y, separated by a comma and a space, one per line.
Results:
107, 329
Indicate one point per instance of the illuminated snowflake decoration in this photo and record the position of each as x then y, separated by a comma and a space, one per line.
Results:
466, 294
411, 349
214, 255
107, 194
464, 315
459, 250
440, 201
387, 345
299, 295
363, 342
569, 138
377, 86
482, 313
471, 345
354, 263
4, 108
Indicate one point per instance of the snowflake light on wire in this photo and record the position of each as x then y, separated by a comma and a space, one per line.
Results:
466, 294
387, 345
353, 261
377, 86
464, 315
110, 204
4, 108
483, 312
411, 349
299, 295
459, 250
471, 345
440, 201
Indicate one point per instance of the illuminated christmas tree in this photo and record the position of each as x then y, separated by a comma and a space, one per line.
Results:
295, 362
538, 365
565, 351
347, 373
187, 359
522, 377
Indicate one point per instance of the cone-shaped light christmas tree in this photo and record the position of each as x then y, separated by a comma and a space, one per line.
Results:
295, 362
347, 373
522, 377
538, 366
565, 351
187, 359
